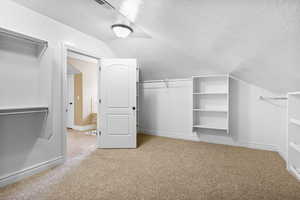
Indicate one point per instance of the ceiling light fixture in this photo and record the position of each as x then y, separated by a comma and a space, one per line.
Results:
121, 30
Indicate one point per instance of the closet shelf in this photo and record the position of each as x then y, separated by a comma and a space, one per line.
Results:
295, 171
294, 93
211, 126
295, 121
210, 110
210, 93
295, 146
207, 76
23, 110
41, 45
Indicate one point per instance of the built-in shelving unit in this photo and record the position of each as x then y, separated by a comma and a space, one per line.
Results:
210, 103
293, 136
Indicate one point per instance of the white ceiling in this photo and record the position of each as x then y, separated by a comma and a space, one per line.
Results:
255, 40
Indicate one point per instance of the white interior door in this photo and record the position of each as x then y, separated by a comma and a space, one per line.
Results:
118, 103
70, 115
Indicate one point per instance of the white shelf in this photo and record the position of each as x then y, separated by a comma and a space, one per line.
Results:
211, 126
210, 93
40, 44
295, 121
23, 107
211, 76
294, 93
295, 171
210, 110
295, 146
23, 110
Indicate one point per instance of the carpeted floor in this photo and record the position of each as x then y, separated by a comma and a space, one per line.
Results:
163, 168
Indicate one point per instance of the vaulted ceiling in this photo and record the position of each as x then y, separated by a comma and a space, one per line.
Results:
256, 40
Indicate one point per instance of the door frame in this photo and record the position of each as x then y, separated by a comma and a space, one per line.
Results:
64, 54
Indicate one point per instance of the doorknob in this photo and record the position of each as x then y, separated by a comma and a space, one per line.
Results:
71, 103
133, 108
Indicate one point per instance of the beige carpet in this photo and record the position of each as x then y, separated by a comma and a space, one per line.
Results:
163, 168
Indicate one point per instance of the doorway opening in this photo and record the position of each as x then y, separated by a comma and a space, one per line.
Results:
82, 103
111, 110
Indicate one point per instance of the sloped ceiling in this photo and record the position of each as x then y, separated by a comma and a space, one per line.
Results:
255, 40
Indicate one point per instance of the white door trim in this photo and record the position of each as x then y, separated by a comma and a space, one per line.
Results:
65, 48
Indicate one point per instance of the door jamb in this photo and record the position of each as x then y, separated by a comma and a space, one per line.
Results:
65, 48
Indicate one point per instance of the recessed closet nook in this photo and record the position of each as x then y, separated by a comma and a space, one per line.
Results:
26, 100
211, 103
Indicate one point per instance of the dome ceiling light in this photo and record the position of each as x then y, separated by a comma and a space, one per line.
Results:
121, 30
123, 26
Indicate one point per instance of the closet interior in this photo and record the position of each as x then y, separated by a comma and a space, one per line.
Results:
27, 71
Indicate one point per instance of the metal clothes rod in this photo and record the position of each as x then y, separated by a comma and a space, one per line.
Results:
273, 98
165, 80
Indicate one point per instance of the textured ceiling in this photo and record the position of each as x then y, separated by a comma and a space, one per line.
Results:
256, 40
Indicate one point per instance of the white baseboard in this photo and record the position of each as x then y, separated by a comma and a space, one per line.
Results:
21, 174
252, 145
226, 140
167, 134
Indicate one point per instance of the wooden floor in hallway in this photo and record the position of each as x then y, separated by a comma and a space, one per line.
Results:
79, 142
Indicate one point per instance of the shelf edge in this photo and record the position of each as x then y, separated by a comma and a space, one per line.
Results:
295, 146
295, 121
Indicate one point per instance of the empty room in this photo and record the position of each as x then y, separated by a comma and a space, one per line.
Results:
149, 100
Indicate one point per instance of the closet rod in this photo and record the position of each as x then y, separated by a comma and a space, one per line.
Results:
165, 80
23, 112
273, 98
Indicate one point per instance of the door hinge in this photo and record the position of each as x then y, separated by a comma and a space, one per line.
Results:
99, 68
99, 133
99, 100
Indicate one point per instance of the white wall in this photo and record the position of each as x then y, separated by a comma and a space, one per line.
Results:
253, 123
18, 67
90, 90
21, 149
